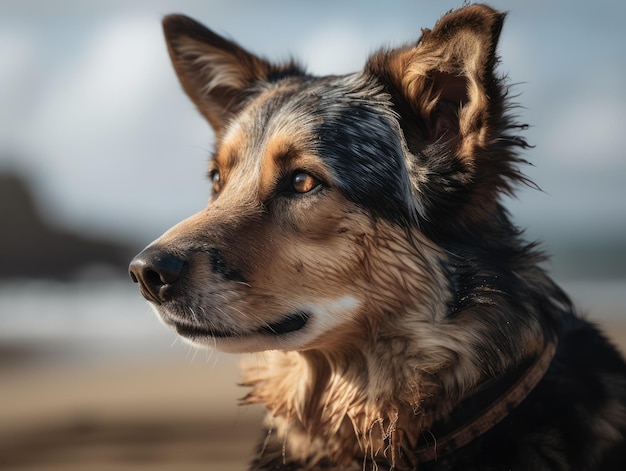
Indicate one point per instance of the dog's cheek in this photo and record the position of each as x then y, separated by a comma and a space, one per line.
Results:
314, 251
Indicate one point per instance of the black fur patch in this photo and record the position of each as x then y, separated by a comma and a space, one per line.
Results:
363, 149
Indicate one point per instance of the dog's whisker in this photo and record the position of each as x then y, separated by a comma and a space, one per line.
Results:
217, 357
195, 354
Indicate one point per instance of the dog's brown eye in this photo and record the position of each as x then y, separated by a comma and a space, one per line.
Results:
303, 182
214, 176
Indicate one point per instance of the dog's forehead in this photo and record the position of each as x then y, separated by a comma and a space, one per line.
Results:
293, 110
345, 124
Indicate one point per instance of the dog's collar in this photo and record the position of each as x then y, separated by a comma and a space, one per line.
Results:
491, 416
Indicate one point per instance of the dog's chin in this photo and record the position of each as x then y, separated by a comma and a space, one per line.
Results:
289, 333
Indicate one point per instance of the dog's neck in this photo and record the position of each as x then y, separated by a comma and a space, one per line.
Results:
341, 399
368, 404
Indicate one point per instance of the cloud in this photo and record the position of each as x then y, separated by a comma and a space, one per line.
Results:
99, 126
105, 88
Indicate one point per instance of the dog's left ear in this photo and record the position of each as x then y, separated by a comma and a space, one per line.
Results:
216, 73
451, 104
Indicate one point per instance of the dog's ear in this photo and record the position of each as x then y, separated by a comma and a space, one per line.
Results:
452, 109
216, 73
445, 80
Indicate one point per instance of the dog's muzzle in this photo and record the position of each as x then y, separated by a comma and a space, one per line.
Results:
157, 273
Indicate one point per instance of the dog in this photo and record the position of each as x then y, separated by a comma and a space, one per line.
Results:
355, 234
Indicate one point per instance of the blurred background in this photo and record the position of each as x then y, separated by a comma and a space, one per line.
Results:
100, 152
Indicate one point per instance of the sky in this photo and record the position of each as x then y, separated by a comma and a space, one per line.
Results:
92, 115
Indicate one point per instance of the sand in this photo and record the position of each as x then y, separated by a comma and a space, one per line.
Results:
157, 414
175, 415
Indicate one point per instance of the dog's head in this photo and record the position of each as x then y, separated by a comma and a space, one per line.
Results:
333, 197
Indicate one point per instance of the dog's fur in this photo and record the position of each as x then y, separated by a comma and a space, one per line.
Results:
355, 235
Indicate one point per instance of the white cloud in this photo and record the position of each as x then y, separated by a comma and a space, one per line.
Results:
101, 124
102, 91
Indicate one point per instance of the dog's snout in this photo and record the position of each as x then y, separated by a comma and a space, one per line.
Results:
157, 272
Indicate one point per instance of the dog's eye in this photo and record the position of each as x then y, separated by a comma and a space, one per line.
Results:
214, 176
302, 182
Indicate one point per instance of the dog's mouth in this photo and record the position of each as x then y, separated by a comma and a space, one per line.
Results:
287, 325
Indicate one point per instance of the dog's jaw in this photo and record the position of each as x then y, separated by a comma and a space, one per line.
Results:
306, 325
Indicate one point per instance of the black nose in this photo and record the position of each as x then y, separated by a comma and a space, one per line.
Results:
157, 273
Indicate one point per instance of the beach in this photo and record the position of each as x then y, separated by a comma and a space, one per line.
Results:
177, 415
127, 402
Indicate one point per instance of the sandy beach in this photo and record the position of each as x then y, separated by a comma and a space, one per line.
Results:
179, 415
155, 414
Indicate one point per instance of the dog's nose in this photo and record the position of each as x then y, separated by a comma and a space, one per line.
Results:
157, 272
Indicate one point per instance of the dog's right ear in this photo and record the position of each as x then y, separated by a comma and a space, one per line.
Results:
216, 73
454, 115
